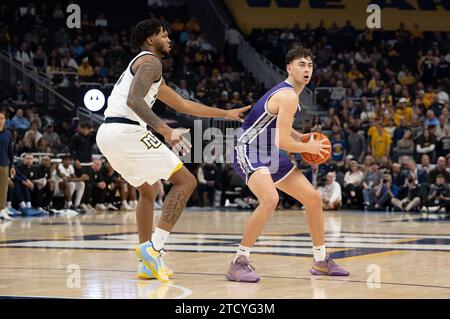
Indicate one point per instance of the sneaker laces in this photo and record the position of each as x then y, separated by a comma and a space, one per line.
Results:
162, 254
247, 266
330, 262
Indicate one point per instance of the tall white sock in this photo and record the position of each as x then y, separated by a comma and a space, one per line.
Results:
22, 205
320, 253
8, 204
242, 251
159, 238
28, 204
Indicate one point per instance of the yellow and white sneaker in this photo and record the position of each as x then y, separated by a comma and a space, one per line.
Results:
145, 273
151, 258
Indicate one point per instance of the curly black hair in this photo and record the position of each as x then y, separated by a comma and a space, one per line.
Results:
144, 29
298, 52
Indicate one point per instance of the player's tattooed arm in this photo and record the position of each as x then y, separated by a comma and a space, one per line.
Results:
146, 74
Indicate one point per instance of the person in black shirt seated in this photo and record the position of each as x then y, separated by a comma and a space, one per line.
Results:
439, 196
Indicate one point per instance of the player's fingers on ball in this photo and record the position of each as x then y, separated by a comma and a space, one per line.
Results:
320, 155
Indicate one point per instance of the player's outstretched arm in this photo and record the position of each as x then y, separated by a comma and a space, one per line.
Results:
287, 102
178, 103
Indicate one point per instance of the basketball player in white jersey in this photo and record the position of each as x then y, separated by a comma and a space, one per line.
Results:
138, 155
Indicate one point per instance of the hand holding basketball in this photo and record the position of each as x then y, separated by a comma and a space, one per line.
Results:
318, 148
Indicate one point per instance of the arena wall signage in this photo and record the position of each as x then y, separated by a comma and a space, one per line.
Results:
430, 15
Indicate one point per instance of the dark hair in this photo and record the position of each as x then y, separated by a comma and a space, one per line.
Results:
86, 124
144, 29
298, 52
440, 176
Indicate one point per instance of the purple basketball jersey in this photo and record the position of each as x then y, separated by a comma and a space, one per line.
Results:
255, 140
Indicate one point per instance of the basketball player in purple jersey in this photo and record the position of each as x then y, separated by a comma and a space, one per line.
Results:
258, 159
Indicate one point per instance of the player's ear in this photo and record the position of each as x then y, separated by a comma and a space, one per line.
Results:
289, 68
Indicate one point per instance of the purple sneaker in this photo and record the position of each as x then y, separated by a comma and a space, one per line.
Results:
241, 270
328, 268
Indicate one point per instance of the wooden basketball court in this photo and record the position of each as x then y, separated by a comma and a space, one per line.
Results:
93, 256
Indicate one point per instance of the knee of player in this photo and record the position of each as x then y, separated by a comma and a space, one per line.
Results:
190, 182
270, 201
315, 198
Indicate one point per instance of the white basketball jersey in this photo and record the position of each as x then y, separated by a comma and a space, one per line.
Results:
117, 101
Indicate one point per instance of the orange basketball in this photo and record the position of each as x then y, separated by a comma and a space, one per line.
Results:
315, 158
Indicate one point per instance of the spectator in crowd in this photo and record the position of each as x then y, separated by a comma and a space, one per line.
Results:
426, 145
412, 199
208, 175
23, 185
380, 142
371, 179
35, 134
42, 194
6, 165
431, 119
81, 150
68, 63
352, 183
40, 59
444, 147
53, 138
338, 147
85, 70
405, 146
19, 122
384, 192
356, 144
68, 184
184, 91
19, 97
425, 163
439, 196
98, 186
315, 174
331, 193
101, 21
439, 169
24, 54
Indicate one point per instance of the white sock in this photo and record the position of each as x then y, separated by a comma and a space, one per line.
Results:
22, 205
320, 253
124, 202
8, 204
69, 204
28, 204
159, 238
242, 251
135, 202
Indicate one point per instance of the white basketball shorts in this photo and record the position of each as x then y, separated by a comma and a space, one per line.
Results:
136, 154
